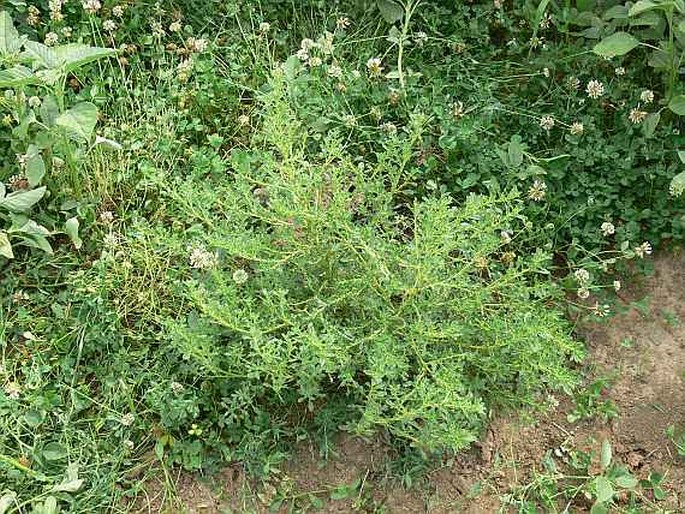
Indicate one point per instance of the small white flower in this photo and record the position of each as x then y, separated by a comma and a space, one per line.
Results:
240, 276
129, 444
577, 128
13, 390
350, 120
389, 128
201, 258
601, 310
420, 38
51, 39
545, 72
264, 27
307, 44
118, 11
91, 6
335, 71
458, 109
177, 388
302, 55
607, 229
620, 71
374, 67
617, 285
547, 123
573, 83
197, 45
34, 102
594, 89
583, 293
647, 96
109, 25
537, 191
175, 26
67, 32
107, 217
315, 62
244, 119
127, 419
582, 275
505, 236
644, 249
636, 116
342, 23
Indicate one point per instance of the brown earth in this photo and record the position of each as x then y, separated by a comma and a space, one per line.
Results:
643, 352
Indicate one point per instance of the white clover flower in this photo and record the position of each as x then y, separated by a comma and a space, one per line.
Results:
315, 62
13, 390
107, 217
127, 419
109, 25
33, 18
644, 249
91, 6
118, 11
537, 191
389, 128
546, 21
342, 23
636, 116
264, 27
34, 101
458, 110
307, 44
129, 444
51, 39
617, 285
594, 89
620, 71
547, 123
505, 236
244, 119
647, 96
302, 55
350, 120
175, 26
335, 71
67, 32
582, 275
201, 258
583, 293
607, 229
573, 83
177, 388
420, 38
601, 311
240, 276
111, 240
325, 43
577, 128
198, 45
374, 67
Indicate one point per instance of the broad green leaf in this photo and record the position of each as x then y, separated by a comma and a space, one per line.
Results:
619, 43
677, 187
659, 493
75, 55
68, 487
677, 105
599, 508
642, 6
79, 121
49, 110
34, 235
605, 491
71, 228
515, 152
35, 166
50, 505
626, 481
681, 156
605, 456
7, 500
10, 42
41, 55
54, 451
650, 123
390, 10
17, 76
5, 251
22, 201
617, 12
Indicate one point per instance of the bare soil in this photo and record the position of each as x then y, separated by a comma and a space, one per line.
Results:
644, 352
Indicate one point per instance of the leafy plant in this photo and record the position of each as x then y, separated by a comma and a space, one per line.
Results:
43, 131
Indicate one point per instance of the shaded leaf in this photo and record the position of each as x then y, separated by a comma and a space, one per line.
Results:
650, 123
54, 451
68, 487
17, 76
71, 228
619, 43
626, 481
42, 56
390, 10
75, 55
35, 166
79, 121
642, 6
10, 42
22, 201
7, 500
5, 251
677, 105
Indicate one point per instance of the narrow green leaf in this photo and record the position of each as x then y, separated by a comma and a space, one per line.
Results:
71, 228
22, 201
10, 42
17, 76
605, 457
677, 105
79, 121
5, 251
619, 43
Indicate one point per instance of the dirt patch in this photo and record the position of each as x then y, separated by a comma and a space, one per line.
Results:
645, 355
